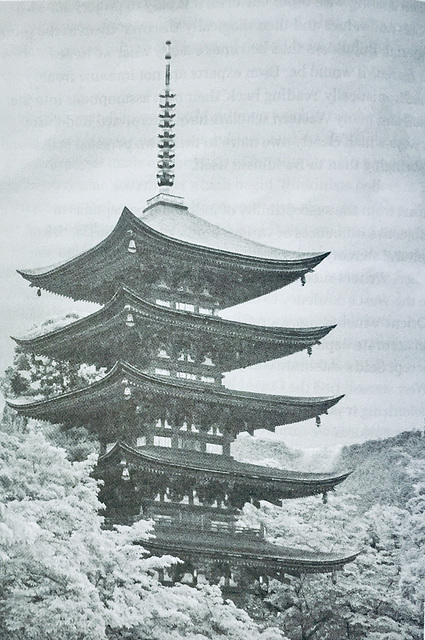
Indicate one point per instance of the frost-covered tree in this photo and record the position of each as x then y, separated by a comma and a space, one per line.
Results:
63, 576
43, 377
377, 597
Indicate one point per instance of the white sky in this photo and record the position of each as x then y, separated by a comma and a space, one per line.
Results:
300, 124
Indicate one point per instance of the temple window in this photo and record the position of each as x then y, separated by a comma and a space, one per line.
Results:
162, 285
214, 448
162, 353
162, 372
141, 441
194, 429
184, 427
207, 379
185, 375
205, 311
163, 303
205, 292
208, 362
219, 525
184, 306
162, 441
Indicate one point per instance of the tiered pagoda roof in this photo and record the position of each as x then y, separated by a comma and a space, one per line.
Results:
141, 254
192, 545
214, 537
283, 483
103, 337
235, 410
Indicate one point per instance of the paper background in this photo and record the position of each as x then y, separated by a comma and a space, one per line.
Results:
299, 124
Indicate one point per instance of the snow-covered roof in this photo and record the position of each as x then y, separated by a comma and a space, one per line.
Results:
177, 222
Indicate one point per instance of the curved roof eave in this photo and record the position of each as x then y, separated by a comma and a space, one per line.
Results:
127, 296
129, 219
235, 468
199, 543
209, 394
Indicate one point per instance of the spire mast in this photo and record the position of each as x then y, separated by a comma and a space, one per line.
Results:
166, 144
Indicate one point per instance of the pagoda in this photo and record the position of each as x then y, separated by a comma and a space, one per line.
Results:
163, 417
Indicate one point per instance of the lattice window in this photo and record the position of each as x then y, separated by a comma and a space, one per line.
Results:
214, 448
161, 441
184, 306
163, 303
185, 375
141, 441
162, 372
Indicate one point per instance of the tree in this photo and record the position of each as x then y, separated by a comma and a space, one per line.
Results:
42, 377
376, 597
63, 576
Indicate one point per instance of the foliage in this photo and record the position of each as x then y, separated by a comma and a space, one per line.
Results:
42, 377
379, 466
63, 576
247, 448
380, 469
380, 595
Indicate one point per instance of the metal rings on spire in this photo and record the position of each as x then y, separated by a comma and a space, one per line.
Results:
166, 144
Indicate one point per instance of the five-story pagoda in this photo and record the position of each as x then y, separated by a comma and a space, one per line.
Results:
163, 417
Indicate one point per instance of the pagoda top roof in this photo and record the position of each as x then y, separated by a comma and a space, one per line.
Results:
96, 274
98, 337
249, 410
174, 220
186, 542
302, 483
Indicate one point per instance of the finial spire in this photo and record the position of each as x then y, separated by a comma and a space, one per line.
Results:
165, 175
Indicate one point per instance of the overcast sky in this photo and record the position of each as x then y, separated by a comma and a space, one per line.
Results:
300, 124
